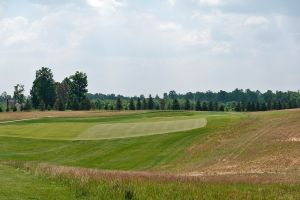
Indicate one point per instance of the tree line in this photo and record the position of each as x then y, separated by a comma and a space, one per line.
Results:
237, 100
47, 94
72, 94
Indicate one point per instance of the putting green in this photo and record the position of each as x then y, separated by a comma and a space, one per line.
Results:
124, 130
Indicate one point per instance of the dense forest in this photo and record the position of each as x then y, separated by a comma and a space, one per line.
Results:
72, 94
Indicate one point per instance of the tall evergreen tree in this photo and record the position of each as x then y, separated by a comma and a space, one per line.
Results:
144, 104
119, 105
210, 106
131, 104
138, 104
198, 106
238, 107
176, 105
222, 108
162, 104
216, 106
204, 106
150, 103
187, 104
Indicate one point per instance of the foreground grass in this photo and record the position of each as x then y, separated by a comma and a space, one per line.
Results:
51, 181
16, 184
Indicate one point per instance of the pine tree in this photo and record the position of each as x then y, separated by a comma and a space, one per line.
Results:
131, 104
263, 107
198, 106
162, 104
187, 104
238, 107
204, 106
150, 103
222, 108
176, 105
138, 104
144, 105
216, 106
119, 105
210, 106
249, 108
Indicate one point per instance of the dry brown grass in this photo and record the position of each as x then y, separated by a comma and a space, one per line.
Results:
258, 147
38, 114
88, 175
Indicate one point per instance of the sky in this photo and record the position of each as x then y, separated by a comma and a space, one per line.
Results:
134, 47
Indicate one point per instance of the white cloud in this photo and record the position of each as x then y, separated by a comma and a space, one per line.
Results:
16, 30
169, 26
172, 2
105, 6
212, 2
200, 37
221, 48
256, 21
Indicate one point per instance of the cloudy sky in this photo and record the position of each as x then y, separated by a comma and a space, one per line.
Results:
137, 47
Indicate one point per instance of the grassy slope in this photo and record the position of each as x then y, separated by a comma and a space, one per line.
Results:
71, 127
254, 141
15, 184
141, 153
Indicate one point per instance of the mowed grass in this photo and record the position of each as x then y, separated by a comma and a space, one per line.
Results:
91, 128
124, 130
152, 152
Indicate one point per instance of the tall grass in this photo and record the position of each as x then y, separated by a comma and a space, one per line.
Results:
93, 184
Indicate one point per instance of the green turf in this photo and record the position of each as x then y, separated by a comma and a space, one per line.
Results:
139, 153
16, 184
86, 128
124, 130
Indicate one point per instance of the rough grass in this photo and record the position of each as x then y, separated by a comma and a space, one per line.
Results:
17, 184
91, 184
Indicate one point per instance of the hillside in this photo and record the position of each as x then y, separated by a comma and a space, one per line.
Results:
229, 148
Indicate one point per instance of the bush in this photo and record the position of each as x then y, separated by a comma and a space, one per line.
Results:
1, 109
42, 106
27, 106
